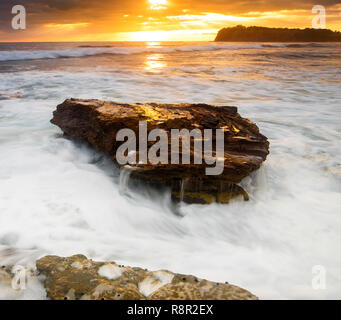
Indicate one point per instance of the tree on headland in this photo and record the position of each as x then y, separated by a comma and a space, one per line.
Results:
264, 34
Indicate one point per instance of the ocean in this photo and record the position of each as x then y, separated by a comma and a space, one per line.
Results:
61, 197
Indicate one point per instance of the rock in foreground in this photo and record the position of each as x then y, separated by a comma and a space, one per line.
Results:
245, 148
77, 277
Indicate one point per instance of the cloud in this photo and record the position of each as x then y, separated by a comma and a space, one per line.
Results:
66, 26
109, 16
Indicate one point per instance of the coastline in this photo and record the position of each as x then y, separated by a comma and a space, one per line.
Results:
263, 34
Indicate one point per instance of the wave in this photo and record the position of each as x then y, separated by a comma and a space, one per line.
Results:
295, 45
307, 45
65, 53
84, 51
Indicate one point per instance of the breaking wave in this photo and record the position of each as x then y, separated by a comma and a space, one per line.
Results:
88, 50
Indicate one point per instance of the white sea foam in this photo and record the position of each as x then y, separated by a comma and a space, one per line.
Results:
61, 197
155, 281
110, 271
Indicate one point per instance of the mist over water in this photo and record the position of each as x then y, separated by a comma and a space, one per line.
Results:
58, 196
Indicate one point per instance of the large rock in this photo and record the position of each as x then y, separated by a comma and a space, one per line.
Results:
76, 277
245, 148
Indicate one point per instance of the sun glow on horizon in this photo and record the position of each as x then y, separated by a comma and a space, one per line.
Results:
169, 35
158, 4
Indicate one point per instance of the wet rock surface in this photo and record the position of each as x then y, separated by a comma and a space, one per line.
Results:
77, 277
245, 148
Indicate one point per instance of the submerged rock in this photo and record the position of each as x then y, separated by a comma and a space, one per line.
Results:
7, 96
76, 277
245, 148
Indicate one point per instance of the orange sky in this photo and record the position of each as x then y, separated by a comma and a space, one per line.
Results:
154, 20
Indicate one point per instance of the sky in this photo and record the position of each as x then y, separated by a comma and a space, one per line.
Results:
155, 20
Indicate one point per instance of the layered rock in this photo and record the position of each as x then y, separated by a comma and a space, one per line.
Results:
245, 148
76, 277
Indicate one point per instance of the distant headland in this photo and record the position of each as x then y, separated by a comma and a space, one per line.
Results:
263, 34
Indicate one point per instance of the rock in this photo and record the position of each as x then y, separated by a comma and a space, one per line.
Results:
6, 274
78, 278
245, 148
7, 96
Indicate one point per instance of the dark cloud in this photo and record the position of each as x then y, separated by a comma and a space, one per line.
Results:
242, 6
58, 11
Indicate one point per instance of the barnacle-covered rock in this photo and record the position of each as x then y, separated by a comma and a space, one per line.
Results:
77, 277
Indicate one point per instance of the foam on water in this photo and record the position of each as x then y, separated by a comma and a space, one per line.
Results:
61, 197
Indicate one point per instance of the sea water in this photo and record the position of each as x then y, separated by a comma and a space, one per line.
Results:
58, 196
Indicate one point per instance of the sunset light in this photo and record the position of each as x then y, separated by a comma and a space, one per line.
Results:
154, 62
158, 4
156, 20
